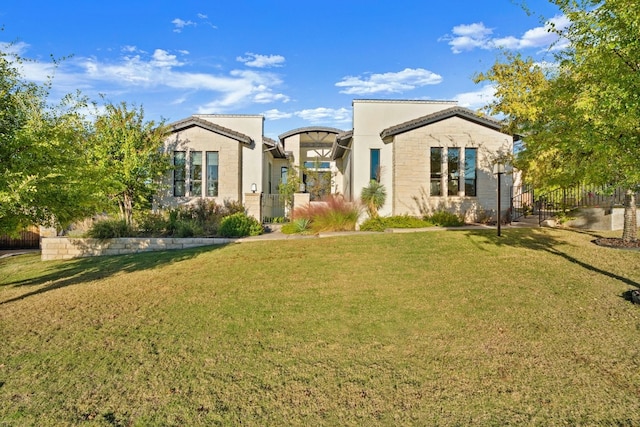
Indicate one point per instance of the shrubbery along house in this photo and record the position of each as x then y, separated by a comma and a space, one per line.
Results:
429, 155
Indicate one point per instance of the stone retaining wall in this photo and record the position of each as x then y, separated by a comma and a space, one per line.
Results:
67, 248
598, 218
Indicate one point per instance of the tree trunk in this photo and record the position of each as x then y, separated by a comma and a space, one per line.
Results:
630, 231
126, 208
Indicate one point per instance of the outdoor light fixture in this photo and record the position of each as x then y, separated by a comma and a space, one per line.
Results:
498, 169
254, 187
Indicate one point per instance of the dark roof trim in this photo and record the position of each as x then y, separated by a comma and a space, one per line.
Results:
275, 147
341, 144
464, 113
190, 122
309, 129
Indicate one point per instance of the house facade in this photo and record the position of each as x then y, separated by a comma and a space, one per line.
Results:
429, 155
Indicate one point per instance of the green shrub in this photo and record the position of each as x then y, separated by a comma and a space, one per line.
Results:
399, 221
240, 225
373, 196
110, 229
297, 226
373, 224
445, 219
151, 224
186, 228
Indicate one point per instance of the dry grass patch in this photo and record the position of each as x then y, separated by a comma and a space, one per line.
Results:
438, 328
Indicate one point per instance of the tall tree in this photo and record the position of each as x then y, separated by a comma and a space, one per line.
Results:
44, 154
580, 118
128, 152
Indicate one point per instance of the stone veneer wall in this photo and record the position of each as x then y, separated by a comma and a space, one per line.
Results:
66, 248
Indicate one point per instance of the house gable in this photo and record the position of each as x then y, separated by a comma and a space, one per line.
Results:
389, 133
191, 122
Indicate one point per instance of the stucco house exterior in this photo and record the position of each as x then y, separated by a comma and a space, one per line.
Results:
427, 154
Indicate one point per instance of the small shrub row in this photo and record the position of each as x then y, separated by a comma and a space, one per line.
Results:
202, 219
401, 221
445, 219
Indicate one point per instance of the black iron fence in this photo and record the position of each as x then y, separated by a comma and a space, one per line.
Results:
552, 203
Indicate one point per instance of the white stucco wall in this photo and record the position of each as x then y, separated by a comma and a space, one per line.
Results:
370, 117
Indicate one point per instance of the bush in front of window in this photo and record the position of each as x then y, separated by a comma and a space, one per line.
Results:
444, 218
240, 225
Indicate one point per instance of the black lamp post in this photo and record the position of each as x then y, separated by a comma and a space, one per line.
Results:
498, 169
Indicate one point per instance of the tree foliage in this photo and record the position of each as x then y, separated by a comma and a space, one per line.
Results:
128, 153
580, 117
44, 155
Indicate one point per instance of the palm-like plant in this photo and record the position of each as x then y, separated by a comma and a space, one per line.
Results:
373, 197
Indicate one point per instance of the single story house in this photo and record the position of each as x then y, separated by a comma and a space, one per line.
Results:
429, 155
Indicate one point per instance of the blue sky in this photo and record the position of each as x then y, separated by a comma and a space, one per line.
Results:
299, 63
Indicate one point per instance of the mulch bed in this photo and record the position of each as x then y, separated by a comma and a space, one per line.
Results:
615, 242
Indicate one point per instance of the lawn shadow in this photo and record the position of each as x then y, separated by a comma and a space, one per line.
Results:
82, 270
538, 239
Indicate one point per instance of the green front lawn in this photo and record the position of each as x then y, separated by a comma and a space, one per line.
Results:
434, 328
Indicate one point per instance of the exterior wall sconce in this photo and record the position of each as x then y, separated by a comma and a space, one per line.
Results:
498, 169
254, 187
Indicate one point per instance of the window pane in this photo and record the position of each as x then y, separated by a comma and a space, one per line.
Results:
374, 167
453, 164
436, 171
470, 159
317, 165
212, 173
284, 171
178, 173
195, 173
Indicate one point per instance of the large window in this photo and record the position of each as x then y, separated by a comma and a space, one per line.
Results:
374, 165
470, 159
453, 171
179, 173
195, 173
436, 172
212, 174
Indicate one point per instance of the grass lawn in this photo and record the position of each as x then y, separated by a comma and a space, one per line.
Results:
436, 328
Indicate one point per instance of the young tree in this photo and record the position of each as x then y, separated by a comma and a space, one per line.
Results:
45, 172
128, 152
580, 119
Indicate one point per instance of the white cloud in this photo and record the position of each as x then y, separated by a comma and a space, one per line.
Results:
477, 36
477, 99
401, 81
129, 49
160, 70
16, 48
261, 61
202, 16
180, 24
163, 59
275, 114
323, 115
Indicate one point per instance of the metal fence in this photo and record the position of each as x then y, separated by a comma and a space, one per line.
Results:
525, 201
274, 208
